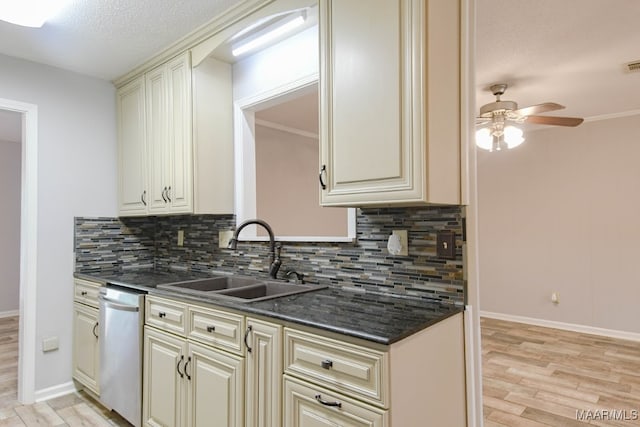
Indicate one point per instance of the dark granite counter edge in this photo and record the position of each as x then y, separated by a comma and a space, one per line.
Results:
247, 308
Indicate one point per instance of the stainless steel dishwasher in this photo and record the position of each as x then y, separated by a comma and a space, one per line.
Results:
121, 323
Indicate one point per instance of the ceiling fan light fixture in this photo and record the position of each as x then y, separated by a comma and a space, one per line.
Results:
494, 138
484, 139
513, 136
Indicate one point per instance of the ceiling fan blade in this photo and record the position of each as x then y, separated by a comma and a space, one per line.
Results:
555, 121
539, 108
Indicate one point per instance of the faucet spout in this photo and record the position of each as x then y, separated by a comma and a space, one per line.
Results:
274, 252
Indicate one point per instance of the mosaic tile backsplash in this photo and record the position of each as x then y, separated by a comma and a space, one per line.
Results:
104, 244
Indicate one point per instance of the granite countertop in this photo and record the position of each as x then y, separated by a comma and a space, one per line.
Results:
383, 319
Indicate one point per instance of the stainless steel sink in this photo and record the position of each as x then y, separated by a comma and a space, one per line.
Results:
268, 290
210, 285
239, 288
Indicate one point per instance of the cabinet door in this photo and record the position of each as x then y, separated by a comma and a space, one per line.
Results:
264, 372
157, 129
374, 101
86, 349
216, 388
179, 137
132, 154
163, 379
306, 405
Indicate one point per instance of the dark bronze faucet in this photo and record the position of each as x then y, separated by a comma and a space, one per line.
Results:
274, 251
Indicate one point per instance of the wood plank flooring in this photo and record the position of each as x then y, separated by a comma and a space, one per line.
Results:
532, 377
540, 377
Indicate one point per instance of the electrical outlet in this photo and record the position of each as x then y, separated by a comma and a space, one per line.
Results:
555, 297
224, 237
50, 344
404, 241
180, 237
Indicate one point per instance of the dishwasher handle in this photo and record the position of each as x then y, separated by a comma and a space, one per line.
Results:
117, 306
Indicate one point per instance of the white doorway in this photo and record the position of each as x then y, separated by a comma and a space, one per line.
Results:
28, 246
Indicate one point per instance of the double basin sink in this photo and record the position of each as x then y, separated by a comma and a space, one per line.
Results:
238, 288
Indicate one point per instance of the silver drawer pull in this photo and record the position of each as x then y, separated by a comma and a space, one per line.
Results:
327, 364
211, 329
162, 314
83, 293
325, 403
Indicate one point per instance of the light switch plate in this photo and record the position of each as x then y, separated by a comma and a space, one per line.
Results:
224, 237
446, 244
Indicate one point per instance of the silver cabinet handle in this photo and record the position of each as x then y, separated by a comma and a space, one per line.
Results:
327, 364
169, 194
94, 330
164, 191
211, 329
143, 197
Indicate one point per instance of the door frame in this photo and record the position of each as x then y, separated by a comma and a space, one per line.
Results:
28, 247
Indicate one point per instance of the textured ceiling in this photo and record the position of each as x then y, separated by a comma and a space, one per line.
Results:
572, 52
107, 38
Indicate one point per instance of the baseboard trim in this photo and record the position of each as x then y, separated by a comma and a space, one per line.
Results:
9, 313
611, 333
55, 391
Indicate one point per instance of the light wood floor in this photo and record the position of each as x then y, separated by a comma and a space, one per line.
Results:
533, 377
539, 377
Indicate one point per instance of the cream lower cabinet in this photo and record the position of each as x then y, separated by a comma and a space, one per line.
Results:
416, 382
263, 398
390, 102
188, 384
86, 344
86, 348
312, 406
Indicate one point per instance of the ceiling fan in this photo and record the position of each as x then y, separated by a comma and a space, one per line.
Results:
499, 134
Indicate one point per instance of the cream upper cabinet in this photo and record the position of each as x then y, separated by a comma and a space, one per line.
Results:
175, 144
132, 149
390, 118
169, 142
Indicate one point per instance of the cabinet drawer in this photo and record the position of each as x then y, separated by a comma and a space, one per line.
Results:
165, 314
216, 328
309, 405
352, 369
86, 292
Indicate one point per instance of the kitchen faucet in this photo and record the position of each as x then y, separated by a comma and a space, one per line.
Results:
274, 251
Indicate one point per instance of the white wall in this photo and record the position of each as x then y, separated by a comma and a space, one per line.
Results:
560, 213
76, 177
10, 226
